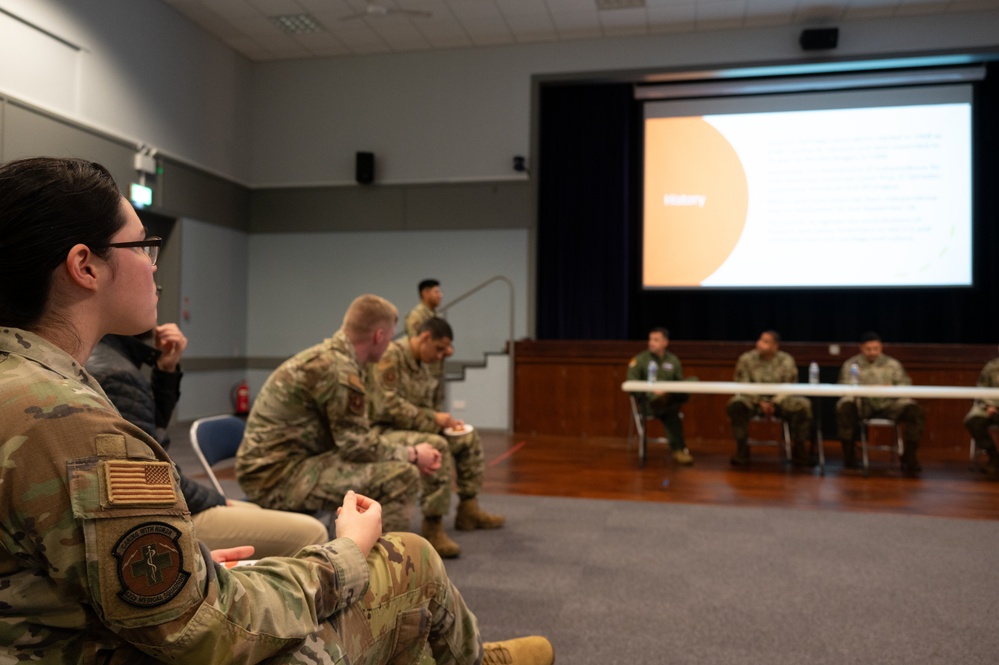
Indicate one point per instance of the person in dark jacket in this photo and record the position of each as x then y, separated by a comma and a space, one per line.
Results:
148, 403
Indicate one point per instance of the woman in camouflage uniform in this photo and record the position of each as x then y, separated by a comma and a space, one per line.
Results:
98, 558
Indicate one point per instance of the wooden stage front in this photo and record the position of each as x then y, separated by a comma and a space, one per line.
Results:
573, 388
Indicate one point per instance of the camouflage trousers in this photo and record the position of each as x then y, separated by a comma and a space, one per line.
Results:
393, 484
435, 493
908, 413
411, 613
437, 371
797, 411
463, 452
469, 463
978, 422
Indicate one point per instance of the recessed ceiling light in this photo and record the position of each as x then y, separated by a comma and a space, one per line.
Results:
604, 5
297, 23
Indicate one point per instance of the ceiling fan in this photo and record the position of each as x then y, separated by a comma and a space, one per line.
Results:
373, 10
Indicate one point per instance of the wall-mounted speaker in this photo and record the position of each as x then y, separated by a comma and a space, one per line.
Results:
819, 39
364, 169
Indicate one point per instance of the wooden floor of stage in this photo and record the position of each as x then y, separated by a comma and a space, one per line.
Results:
607, 468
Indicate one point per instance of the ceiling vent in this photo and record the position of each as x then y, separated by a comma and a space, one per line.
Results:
297, 24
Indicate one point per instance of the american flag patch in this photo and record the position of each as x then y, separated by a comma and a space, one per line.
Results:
139, 483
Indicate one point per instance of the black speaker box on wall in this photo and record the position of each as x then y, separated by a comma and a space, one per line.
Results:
818, 39
364, 171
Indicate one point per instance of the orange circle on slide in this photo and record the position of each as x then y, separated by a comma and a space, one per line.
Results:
686, 159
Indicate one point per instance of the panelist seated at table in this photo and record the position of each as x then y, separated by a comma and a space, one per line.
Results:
875, 368
768, 364
663, 406
984, 414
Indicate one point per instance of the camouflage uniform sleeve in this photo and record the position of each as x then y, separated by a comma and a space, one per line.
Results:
844, 372
415, 318
898, 375
988, 378
112, 539
249, 614
281, 600
388, 403
788, 369
744, 374
439, 390
411, 324
787, 372
347, 413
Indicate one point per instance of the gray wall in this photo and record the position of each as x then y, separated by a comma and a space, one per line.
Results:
325, 271
461, 115
139, 71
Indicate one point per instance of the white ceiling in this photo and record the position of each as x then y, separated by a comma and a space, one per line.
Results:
247, 25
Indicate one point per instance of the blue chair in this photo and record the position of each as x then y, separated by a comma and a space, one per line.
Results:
216, 439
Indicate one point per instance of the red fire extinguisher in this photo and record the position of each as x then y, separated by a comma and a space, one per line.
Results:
242, 400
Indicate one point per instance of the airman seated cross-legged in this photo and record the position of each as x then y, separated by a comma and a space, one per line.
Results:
99, 558
402, 391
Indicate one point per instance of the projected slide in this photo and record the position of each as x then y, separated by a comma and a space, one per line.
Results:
843, 197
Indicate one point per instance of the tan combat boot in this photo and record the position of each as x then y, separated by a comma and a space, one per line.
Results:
534, 650
471, 517
433, 531
682, 457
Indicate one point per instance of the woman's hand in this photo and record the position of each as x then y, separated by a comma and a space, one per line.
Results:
360, 519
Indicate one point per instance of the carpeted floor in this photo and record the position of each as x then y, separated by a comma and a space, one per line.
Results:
630, 582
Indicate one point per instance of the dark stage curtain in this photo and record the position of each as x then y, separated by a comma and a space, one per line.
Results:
583, 217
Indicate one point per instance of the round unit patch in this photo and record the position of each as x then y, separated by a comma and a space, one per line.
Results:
150, 565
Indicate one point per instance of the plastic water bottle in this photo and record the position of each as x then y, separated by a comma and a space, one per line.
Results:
813, 373
854, 374
653, 371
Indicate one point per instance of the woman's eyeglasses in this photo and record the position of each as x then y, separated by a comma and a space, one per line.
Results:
150, 246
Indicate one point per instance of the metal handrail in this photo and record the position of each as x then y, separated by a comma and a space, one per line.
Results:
510, 345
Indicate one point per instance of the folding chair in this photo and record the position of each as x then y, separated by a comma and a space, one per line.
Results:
975, 451
639, 425
215, 439
896, 449
783, 439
